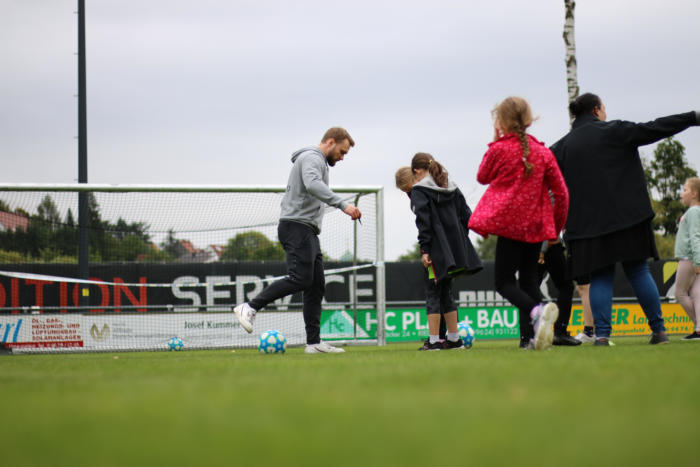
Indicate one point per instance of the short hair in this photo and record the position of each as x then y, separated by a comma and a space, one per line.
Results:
404, 179
338, 134
694, 185
584, 104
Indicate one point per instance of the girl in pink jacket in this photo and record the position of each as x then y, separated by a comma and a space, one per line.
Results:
526, 202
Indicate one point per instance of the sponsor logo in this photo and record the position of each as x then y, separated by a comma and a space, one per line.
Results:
100, 335
10, 331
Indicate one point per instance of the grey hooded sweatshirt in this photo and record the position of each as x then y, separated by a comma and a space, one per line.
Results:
307, 189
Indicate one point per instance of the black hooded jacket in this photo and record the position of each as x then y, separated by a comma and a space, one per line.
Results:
442, 216
603, 171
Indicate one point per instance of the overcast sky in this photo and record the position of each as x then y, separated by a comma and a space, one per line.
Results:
222, 92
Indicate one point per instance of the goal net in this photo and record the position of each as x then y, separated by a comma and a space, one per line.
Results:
172, 261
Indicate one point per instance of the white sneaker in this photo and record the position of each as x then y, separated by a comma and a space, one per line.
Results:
322, 347
246, 315
585, 339
543, 322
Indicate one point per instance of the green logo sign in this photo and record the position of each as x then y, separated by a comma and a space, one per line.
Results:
411, 324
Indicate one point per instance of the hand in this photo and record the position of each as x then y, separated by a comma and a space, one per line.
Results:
426, 260
497, 130
353, 212
540, 260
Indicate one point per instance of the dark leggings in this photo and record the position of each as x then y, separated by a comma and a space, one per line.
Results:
513, 256
555, 264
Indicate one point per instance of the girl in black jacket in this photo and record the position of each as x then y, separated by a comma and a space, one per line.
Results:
442, 216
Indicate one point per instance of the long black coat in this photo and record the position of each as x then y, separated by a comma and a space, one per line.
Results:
603, 171
442, 217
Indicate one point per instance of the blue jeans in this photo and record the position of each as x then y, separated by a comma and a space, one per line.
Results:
601, 295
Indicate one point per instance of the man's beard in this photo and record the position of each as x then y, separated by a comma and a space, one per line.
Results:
330, 159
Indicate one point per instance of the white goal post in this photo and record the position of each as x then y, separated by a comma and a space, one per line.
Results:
173, 228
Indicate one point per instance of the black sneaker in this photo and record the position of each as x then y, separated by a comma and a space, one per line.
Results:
565, 339
458, 344
658, 338
602, 341
692, 337
436, 346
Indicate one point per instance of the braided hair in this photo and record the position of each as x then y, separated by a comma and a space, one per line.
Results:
514, 116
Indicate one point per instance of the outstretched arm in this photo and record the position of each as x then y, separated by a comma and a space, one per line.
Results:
640, 134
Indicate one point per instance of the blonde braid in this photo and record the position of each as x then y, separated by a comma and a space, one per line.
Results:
526, 151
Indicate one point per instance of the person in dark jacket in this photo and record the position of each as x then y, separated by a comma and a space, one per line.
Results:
404, 182
610, 211
442, 217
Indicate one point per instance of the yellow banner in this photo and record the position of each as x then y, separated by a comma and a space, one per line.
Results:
628, 319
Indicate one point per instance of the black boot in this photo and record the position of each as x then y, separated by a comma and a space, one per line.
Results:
563, 338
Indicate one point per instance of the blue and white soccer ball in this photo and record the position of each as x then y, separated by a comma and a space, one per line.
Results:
175, 343
272, 342
466, 333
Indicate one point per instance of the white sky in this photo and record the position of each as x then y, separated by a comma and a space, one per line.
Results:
222, 92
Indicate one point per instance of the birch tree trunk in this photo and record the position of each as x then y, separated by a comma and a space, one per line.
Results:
570, 43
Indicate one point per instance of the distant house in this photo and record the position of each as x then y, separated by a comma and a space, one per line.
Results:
187, 253
217, 249
12, 222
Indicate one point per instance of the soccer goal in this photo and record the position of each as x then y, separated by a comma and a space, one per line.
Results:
172, 261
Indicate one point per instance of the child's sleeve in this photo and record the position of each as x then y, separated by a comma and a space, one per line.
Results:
694, 235
487, 168
421, 208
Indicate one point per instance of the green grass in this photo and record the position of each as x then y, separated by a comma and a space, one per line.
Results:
632, 404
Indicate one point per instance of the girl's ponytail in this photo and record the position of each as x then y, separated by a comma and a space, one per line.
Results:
425, 161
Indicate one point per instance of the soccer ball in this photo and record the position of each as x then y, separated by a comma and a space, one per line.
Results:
466, 333
175, 343
272, 342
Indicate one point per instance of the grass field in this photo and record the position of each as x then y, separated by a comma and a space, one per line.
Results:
632, 404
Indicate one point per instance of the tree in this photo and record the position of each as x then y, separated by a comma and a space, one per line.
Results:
252, 246
665, 175
48, 212
171, 244
70, 220
4, 206
486, 247
570, 43
413, 254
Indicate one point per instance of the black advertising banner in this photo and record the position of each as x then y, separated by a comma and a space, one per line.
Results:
226, 284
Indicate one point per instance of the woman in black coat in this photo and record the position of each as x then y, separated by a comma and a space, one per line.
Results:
610, 211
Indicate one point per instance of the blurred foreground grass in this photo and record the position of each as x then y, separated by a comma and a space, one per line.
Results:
632, 404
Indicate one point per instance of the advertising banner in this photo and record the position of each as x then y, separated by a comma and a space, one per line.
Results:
405, 282
115, 332
411, 324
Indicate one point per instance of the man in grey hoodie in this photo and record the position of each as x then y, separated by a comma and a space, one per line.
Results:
302, 211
